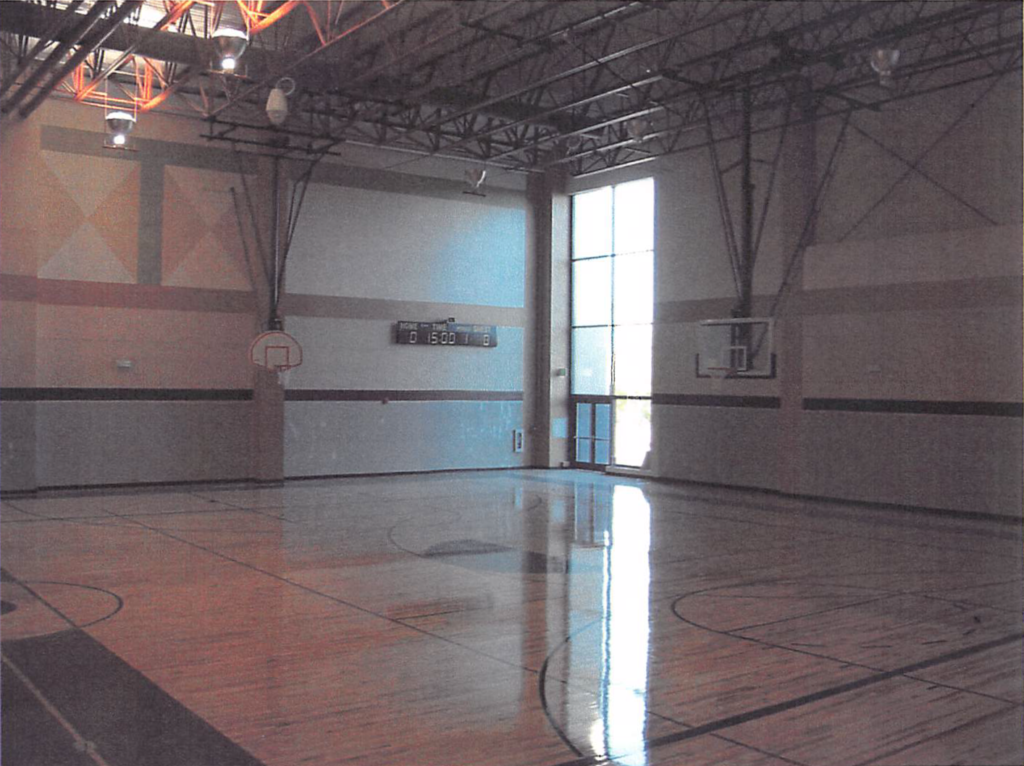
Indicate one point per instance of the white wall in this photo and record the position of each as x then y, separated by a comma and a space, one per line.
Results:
371, 250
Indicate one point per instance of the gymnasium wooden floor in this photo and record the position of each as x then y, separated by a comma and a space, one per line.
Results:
506, 618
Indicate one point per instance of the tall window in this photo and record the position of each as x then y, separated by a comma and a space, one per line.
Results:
612, 316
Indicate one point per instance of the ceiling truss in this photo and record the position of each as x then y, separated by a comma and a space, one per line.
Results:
526, 85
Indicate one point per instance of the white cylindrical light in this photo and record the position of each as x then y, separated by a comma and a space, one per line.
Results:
277, 106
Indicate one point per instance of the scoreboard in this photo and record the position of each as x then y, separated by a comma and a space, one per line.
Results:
446, 334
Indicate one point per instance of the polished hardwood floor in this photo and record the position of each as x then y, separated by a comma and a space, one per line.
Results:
506, 618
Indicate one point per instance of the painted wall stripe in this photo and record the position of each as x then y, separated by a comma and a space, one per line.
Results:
376, 395
125, 394
66, 292
339, 307
151, 207
952, 295
916, 407
717, 400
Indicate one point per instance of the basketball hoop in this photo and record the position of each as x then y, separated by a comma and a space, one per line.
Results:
278, 351
721, 372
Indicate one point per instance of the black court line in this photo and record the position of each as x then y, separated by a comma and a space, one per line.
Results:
797, 702
944, 733
542, 692
734, 633
543, 675
327, 596
24, 585
661, 486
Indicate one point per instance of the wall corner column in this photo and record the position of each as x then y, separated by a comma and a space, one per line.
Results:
549, 428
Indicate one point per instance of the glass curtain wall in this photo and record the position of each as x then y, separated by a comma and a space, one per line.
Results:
612, 320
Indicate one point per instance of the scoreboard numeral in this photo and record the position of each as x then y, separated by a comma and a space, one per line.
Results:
413, 335
487, 339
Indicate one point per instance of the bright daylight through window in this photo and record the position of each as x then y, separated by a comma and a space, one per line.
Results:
612, 316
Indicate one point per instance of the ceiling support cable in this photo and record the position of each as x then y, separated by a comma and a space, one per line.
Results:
746, 250
771, 181
241, 236
291, 223
813, 210
925, 175
912, 166
66, 17
724, 212
261, 252
88, 46
80, 30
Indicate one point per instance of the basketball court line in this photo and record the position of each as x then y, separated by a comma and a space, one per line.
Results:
939, 735
807, 699
422, 631
823, 532
542, 693
93, 520
654, 742
734, 633
335, 599
81, 743
666, 489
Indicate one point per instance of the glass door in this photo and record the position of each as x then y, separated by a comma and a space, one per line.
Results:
612, 321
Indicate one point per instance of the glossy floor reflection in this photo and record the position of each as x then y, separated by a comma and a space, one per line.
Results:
520, 617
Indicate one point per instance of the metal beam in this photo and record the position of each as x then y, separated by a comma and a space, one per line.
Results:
73, 35
67, 16
89, 45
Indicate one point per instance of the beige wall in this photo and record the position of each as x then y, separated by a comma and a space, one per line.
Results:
126, 309
899, 343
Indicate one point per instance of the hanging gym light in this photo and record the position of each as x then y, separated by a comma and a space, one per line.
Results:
277, 101
229, 45
884, 61
119, 125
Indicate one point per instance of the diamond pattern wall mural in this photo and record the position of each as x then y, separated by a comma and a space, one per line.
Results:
201, 245
90, 224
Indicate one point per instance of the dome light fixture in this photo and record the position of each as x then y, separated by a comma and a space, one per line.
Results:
229, 44
883, 62
119, 125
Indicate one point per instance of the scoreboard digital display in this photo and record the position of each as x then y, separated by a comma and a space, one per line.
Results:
446, 334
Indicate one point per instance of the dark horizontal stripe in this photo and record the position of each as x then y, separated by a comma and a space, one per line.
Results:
342, 307
375, 179
605, 399
717, 400
125, 394
67, 292
952, 295
378, 395
915, 406
74, 141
